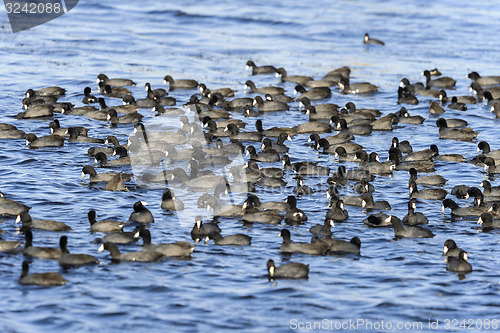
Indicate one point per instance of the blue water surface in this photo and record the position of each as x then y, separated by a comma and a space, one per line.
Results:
226, 288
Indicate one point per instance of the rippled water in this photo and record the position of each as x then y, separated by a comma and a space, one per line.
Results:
225, 288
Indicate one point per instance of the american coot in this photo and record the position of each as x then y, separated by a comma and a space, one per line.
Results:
489, 190
94, 177
67, 259
484, 81
236, 239
461, 211
406, 118
485, 148
33, 141
462, 134
414, 218
341, 125
253, 214
279, 145
402, 231
312, 94
443, 98
225, 92
434, 107
75, 136
263, 90
10, 246
405, 97
177, 249
130, 118
11, 207
40, 279
104, 225
363, 186
253, 200
8, 131
356, 88
337, 213
338, 246
293, 215
36, 111
267, 156
123, 237
442, 82
88, 98
169, 202
287, 246
368, 203
260, 69
487, 222
312, 127
323, 229
446, 157
113, 92
436, 180
459, 264
201, 230
116, 183
300, 79
302, 189
319, 108
139, 256
37, 251
141, 214
268, 106
180, 84
456, 105
430, 194
379, 220
47, 91
48, 225
490, 166
304, 168
115, 81
451, 249
235, 134
291, 270
368, 40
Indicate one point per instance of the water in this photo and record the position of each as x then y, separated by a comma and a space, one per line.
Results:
225, 288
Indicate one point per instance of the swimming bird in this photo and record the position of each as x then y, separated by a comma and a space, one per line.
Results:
104, 225
40, 279
287, 246
368, 40
137, 256
459, 264
118, 82
177, 249
256, 70
66, 259
141, 214
451, 249
291, 270
37, 251
406, 231
236, 239
441, 82
48, 225
462, 134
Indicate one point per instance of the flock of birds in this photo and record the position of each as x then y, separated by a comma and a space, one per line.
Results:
218, 137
